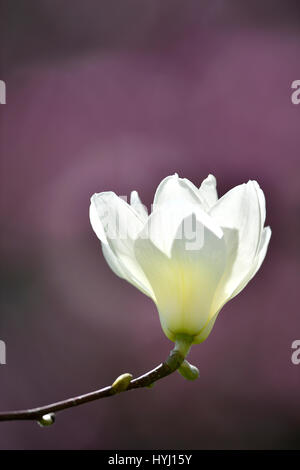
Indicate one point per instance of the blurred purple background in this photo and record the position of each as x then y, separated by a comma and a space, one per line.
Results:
115, 96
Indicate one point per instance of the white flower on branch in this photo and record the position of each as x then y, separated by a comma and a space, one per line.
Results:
192, 254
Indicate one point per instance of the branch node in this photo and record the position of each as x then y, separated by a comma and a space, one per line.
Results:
188, 371
121, 383
47, 420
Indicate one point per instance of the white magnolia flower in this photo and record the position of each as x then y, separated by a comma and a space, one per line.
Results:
192, 254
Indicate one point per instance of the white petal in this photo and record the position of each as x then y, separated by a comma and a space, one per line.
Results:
206, 330
165, 222
138, 206
263, 247
262, 204
112, 261
241, 209
96, 223
208, 190
184, 284
118, 225
175, 189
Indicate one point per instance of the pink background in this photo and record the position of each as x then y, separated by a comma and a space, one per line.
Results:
116, 96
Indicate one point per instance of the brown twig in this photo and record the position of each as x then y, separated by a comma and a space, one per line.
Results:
172, 363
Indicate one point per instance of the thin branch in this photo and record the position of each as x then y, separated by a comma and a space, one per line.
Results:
172, 363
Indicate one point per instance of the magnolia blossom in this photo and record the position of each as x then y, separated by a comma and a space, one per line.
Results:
192, 254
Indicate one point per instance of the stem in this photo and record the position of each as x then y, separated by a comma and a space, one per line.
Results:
170, 365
